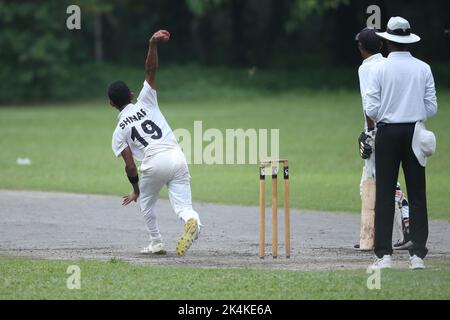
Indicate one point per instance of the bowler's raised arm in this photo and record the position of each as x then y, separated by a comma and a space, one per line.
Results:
151, 63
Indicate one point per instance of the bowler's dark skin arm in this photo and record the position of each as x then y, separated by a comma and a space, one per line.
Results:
131, 171
151, 63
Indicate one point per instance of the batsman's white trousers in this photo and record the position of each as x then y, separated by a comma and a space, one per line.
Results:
165, 168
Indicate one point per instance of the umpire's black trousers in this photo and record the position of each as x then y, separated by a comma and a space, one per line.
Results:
392, 147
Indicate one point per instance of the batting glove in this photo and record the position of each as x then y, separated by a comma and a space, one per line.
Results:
365, 149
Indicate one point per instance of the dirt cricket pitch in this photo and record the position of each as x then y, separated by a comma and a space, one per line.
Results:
74, 226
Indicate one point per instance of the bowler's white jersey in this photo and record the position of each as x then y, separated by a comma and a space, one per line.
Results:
143, 128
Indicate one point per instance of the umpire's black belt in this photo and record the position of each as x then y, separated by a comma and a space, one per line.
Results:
384, 124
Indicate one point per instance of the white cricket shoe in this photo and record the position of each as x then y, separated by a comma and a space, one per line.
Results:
157, 248
416, 263
382, 263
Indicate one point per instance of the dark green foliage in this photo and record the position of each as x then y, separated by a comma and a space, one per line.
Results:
41, 59
34, 48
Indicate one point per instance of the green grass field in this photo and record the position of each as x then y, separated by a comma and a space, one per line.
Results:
46, 279
70, 148
69, 145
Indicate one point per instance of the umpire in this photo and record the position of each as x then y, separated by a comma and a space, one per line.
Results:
400, 96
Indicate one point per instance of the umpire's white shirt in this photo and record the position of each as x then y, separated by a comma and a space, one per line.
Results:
364, 72
401, 90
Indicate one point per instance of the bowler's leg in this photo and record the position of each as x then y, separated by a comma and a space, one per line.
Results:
150, 188
179, 188
181, 199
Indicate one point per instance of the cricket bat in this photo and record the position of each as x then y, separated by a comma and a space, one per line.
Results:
367, 232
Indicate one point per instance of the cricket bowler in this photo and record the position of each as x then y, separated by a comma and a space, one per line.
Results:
142, 133
369, 45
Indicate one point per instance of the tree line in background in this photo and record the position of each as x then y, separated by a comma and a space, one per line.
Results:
37, 51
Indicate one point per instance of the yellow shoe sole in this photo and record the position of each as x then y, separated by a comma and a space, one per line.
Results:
186, 240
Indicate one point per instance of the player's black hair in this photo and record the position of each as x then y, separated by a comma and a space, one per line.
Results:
119, 93
399, 46
369, 40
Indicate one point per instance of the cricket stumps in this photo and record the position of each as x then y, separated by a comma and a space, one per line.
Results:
273, 164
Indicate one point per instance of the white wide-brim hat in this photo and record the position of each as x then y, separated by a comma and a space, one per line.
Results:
398, 30
423, 143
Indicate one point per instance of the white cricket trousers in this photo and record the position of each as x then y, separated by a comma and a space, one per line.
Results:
165, 168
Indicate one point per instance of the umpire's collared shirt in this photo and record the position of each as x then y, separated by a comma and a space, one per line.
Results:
401, 90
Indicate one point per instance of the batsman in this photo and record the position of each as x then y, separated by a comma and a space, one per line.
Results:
142, 133
369, 45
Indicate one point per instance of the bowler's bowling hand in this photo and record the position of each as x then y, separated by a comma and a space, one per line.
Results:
365, 149
160, 36
130, 198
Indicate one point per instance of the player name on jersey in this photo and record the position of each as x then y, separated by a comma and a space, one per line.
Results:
136, 117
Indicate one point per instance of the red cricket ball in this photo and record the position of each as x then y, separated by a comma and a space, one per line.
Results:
166, 36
